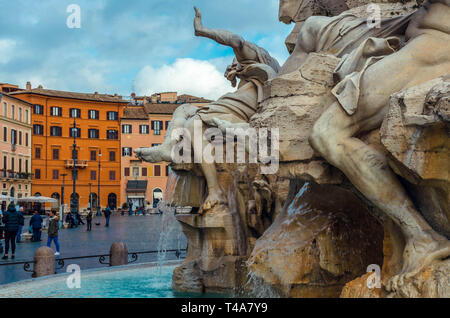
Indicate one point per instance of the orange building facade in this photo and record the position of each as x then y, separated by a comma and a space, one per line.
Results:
97, 135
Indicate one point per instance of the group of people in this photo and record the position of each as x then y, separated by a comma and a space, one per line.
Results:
13, 221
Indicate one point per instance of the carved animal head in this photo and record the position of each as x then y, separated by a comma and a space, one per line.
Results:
299, 10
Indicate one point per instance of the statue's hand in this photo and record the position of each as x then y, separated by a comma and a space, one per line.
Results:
197, 20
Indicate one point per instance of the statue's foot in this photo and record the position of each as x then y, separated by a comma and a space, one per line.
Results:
214, 198
418, 254
154, 154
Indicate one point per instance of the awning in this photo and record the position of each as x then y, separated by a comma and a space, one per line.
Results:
137, 186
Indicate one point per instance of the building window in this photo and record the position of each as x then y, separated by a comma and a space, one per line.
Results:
13, 168
56, 111
127, 129
12, 111
38, 130
13, 136
112, 134
167, 171
144, 172
94, 114
20, 138
112, 156
55, 154
93, 175
127, 172
38, 109
112, 175
93, 155
26, 116
157, 125
26, 139
37, 173
5, 163
5, 109
113, 116
167, 124
26, 170
20, 165
157, 170
37, 153
75, 113
126, 152
93, 133
135, 171
55, 174
143, 129
55, 131
20, 114
5, 134
77, 134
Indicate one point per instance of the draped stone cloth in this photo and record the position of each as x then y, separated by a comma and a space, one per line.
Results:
352, 67
239, 106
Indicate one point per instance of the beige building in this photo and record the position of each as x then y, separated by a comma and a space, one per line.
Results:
15, 146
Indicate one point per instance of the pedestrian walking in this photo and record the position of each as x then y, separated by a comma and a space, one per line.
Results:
12, 220
19, 232
89, 221
80, 221
130, 209
36, 225
53, 229
107, 213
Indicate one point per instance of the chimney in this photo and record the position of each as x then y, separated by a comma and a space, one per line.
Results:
28, 86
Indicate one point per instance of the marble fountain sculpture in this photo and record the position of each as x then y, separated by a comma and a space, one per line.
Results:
361, 113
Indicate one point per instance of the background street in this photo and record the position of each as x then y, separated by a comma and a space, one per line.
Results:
140, 233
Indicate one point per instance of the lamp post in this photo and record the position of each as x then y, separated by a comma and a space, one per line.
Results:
73, 204
90, 196
99, 213
61, 213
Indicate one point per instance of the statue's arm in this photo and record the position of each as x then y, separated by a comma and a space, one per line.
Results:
220, 36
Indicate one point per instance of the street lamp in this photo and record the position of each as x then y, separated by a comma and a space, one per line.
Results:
99, 213
90, 196
73, 204
61, 213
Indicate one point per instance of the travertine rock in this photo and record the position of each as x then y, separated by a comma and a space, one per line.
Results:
322, 239
292, 103
415, 132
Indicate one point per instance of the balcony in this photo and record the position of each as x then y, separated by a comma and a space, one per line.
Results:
11, 175
80, 164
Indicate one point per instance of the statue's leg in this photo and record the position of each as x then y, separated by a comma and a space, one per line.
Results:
216, 195
164, 151
333, 137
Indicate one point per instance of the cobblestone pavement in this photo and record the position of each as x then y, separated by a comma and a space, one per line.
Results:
140, 233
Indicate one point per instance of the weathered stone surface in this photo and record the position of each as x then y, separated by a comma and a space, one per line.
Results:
415, 132
322, 239
118, 254
44, 262
292, 103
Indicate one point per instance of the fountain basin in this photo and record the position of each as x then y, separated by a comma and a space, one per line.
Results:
149, 280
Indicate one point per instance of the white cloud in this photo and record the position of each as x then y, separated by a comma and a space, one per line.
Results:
185, 76
6, 50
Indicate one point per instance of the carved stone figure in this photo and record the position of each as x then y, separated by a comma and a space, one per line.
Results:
252, 65
370, 75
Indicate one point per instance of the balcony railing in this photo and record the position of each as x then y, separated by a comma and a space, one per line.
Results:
78, 163
15, 175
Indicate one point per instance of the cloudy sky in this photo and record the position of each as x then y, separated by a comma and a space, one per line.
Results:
125, 46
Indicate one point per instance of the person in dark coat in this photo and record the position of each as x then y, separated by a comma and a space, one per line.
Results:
12, 221
107, 213
89, 221
19, 232
53, 229
36, 225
